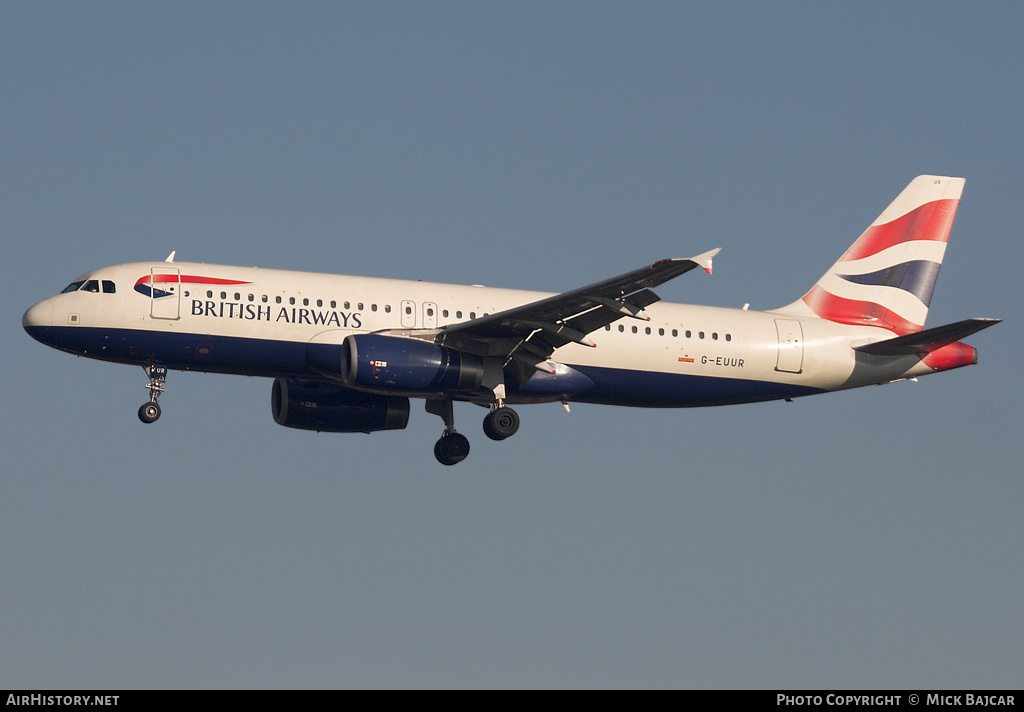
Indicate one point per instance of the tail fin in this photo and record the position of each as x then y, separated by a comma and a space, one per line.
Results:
887, 276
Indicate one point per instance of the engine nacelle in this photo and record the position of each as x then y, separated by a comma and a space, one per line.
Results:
309, 405
402, 365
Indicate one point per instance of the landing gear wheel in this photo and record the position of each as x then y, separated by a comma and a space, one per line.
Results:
451, 449
501, 423
149, 412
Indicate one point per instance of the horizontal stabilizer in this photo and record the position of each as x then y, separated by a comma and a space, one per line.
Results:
927, 340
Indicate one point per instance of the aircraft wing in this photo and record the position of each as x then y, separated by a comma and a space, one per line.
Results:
531, 332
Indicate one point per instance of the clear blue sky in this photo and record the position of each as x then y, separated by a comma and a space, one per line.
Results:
863, 539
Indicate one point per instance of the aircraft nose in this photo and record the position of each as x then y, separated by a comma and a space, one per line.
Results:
38, 315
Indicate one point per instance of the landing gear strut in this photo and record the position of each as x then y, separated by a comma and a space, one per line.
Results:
452, 448
149, 412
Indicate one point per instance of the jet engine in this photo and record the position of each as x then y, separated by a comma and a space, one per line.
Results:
392, 363
309, 405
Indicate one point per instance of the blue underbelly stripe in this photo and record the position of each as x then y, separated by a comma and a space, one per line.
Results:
652, 389
265, 357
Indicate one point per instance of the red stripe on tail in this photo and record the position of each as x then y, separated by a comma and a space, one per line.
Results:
857, 313
931, 221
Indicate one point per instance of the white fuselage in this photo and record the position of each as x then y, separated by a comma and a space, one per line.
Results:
261, 322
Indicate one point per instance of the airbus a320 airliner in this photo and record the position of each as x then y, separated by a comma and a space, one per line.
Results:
347, 353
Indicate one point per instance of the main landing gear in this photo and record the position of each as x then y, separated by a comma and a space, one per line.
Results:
149, 412
452, 448
502, 422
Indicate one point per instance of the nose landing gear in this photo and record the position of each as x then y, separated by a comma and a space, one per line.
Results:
149, 412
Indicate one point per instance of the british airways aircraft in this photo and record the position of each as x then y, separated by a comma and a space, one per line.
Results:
347, 353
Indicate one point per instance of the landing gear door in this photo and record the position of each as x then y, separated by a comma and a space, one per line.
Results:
165, 293
791, 346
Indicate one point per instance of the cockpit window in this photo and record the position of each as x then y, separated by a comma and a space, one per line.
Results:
108, 287
73, 287
92, 285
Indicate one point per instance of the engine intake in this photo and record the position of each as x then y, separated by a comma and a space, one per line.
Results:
309, 405
392, 363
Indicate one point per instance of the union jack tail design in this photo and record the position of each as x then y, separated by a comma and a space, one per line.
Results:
887, 276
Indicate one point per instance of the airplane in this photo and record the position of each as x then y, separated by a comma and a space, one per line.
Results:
347, 353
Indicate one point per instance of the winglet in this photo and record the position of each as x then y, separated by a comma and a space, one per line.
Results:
704, 260
170, 257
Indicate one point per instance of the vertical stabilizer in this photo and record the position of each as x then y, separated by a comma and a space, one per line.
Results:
887, 276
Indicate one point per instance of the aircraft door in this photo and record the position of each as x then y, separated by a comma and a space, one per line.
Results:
791, 346
408, 314
429, 315
165, 292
